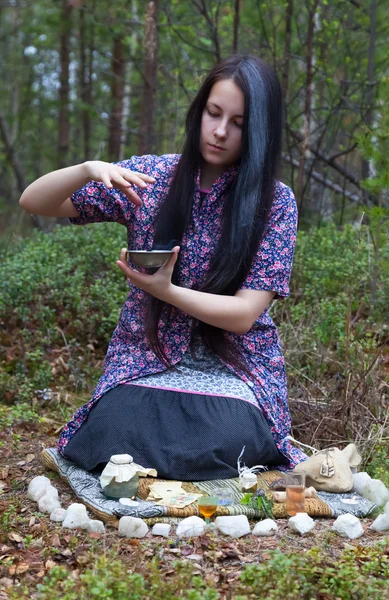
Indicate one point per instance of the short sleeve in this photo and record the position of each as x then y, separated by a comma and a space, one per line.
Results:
96, 203
272, 265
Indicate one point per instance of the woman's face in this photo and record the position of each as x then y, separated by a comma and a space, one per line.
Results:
221, 125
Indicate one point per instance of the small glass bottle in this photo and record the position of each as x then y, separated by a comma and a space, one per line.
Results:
248, 483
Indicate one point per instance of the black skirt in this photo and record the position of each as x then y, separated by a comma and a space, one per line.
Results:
184, 436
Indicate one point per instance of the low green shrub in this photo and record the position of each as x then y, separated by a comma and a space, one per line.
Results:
359, 573
61, 289
61, 294
110, 579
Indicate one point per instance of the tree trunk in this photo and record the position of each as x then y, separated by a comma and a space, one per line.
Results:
288, 32
14, 161
127, 82
150, 79
307, 105
370, 84
236, 26
64, 121
117, 94
212, 23
85, 81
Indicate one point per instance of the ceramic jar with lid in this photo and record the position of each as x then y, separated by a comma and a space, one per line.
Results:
119, 478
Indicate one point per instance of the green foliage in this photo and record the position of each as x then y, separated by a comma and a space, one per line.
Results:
374, 143
259, 501
9, 415
57, 289
8, 518
361, 574
330, 316
110, 579
63, 290
378, 465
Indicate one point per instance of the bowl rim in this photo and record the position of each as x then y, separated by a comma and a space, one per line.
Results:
150, 251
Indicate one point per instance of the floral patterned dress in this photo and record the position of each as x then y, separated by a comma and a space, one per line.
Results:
129, 356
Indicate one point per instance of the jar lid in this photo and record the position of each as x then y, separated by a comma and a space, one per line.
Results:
249, 477
121, 459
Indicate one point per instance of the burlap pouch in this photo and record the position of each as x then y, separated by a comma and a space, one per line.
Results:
329, 470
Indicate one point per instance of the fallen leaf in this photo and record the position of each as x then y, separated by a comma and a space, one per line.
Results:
6, 582
186, 550
21, 568
40, 574
67, 552
15, 537
31, 522
4, 472
55, 541
30, 458
49, 564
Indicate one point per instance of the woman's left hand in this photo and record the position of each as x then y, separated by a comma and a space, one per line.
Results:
158, 284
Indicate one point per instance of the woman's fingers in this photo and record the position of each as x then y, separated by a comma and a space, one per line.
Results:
134, 178
146, 178
124, 178
169, 265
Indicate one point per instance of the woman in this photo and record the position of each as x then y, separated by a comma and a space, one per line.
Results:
194, 370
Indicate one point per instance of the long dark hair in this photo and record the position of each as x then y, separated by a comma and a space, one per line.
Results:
248, 199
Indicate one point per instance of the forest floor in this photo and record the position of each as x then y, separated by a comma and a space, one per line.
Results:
31, 545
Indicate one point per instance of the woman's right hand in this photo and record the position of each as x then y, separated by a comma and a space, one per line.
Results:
114, 176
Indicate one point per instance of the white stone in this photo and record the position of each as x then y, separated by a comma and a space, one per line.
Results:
302, 523
161, 529
37, 487
265, 527
349, 526
50, 491
376, 492
95, 526
76, 516
191, 527
58, 514
386, 508
360, 480
48, 503
132, 527
381, 523
235, 526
